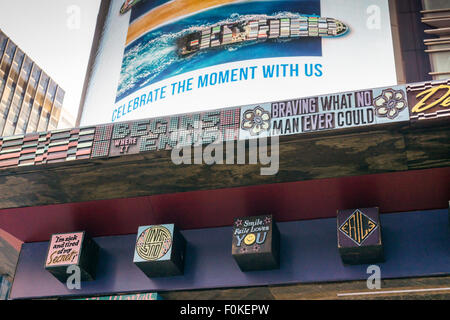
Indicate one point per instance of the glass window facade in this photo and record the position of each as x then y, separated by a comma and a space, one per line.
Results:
56, 111
10, 87
3, 42
5, 66
12, 93
47, 107
38, 103
18, 98
30, 100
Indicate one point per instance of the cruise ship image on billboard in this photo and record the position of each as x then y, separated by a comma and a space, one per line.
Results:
260, 29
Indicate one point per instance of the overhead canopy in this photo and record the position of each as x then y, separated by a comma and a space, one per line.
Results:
111, 178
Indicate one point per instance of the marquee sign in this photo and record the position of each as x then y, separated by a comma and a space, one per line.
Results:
166, 133
359, 236
72, 249
191, 56
327, 112
159, 250
279, 118
256, 243
430, 100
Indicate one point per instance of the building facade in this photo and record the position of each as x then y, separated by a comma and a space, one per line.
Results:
435, 14
363, 172
30, 101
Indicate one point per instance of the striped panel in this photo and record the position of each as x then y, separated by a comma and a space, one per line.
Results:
80, 144
46, 147
10, 151
42, 148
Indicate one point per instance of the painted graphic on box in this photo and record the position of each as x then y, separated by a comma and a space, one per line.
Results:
64, 249
358, 227
154, 242
250, 234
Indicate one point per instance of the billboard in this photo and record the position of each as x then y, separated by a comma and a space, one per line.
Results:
424, 102
184, 56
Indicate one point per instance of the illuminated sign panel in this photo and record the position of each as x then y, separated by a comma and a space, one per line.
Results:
352, 109
327, 112
296, 116
177, 57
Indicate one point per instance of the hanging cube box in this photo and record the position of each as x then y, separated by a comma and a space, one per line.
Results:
72, 249
256, 243
359, 236
160, 251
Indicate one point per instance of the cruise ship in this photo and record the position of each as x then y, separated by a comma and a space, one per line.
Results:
260, 30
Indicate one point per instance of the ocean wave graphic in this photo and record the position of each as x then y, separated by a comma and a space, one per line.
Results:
155, 52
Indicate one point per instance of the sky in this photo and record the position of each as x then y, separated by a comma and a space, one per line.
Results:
57, 35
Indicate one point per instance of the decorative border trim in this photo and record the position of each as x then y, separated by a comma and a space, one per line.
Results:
295, 116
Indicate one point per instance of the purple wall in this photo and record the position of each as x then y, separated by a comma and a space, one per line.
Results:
415, 243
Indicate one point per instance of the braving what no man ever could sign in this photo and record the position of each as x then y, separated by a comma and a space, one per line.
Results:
296, 116
327, 112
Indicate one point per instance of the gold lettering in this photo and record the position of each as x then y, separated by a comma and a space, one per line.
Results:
358, 217
422, 105
446, 103
62, 258
51, 259
352, 228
